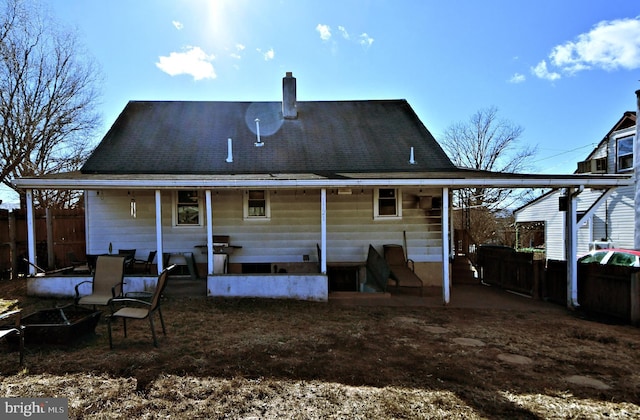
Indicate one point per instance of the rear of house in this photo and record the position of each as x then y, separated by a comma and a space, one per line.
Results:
296, 188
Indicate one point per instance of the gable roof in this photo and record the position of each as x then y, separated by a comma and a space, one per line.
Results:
627, 120
327, 137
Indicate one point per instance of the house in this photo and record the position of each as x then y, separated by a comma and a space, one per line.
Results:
273, 199
605, 217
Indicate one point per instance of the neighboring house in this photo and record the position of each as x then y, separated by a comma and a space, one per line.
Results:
300, 188
606, 217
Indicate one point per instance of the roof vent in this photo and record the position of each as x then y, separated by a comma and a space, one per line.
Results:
229, 150
289, 101
412, 159
258, 142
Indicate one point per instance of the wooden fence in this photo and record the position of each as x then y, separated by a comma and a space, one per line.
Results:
58, 233
508, 269
610, 291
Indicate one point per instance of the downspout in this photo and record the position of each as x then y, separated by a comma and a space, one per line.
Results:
606, 220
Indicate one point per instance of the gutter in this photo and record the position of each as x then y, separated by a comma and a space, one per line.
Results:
181, 182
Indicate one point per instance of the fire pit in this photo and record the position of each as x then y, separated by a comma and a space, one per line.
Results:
59, 325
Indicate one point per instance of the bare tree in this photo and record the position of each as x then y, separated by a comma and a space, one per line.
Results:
48, 98
486, 143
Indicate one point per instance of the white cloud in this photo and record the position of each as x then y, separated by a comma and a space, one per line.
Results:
193, 61
324, 30
517, 78
344, 32
609, 45
365, 40
325, 34
542, 72
267, 55
178, 25
239, 49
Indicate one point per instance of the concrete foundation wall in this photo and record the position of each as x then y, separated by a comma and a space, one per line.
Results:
64, 286
300, 287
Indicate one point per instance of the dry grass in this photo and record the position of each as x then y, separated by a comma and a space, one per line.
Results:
282, 359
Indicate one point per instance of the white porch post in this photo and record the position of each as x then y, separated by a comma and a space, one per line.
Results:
571, 240
31, 232
159, 231
445, 246
323, 230
207, 195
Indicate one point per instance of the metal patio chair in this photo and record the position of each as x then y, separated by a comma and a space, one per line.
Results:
140, 309
107, 282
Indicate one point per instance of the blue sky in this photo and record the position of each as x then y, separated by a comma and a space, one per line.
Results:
563, 70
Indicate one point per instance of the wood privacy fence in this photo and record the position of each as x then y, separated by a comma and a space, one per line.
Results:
610, 291
58, 233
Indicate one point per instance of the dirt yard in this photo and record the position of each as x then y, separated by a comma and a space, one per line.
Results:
283, 359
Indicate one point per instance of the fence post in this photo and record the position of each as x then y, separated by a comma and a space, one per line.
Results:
51, 257
635, 298
536, 272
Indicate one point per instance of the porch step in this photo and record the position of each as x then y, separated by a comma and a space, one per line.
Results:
463, 272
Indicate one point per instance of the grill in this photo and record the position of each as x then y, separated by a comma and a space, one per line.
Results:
221, 250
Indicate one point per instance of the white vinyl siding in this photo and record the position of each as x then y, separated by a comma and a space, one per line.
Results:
292, 232
613, 220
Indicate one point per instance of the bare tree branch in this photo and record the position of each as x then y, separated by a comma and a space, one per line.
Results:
486, 143
48, 98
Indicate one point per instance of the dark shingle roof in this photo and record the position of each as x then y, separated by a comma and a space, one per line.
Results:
155, 137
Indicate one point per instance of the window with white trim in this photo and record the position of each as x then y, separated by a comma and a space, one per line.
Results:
257, 205
624, 153
387, 203
187, 208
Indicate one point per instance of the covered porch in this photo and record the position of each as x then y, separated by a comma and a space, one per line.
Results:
306, 286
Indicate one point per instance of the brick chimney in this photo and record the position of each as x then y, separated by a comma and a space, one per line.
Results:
289, 107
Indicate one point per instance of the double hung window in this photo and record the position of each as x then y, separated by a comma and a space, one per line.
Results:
387, 203
187, 208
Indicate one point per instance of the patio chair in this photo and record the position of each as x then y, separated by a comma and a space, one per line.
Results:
146, 263
107, 282
91, 261
140, 309
129, 258
402, 269
14, 329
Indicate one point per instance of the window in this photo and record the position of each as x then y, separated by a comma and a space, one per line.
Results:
387, 203
624, 153
257, 205
187, 209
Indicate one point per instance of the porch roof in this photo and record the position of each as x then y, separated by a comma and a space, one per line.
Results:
455, 179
